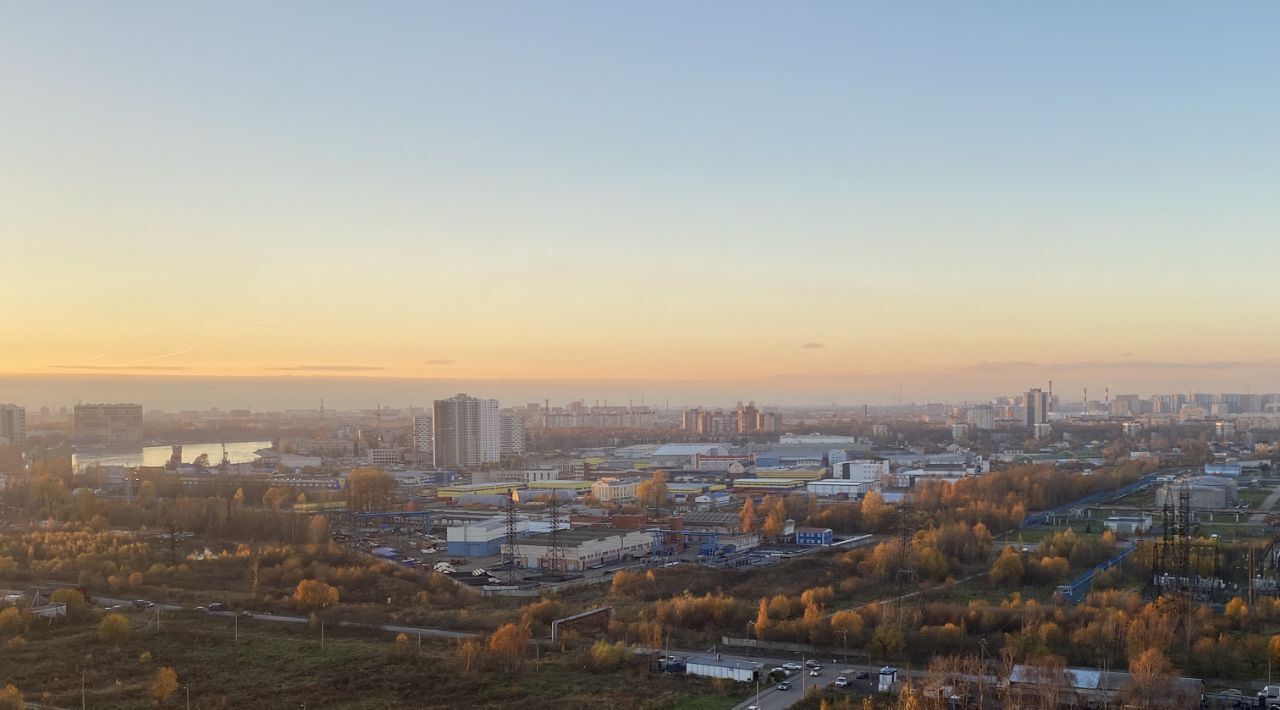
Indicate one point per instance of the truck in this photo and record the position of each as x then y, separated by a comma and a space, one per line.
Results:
1269, 697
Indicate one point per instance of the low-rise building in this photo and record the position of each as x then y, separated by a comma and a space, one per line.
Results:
614, 490
521, 475
717, 666
814, 537
861, 469
837, 487
1127, 524
583, 548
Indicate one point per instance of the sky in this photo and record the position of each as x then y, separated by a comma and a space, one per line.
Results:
816, 201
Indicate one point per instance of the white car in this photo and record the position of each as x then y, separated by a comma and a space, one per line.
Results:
792, 666
842, 682
815, 672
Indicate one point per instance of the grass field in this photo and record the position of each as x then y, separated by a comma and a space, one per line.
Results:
283, 666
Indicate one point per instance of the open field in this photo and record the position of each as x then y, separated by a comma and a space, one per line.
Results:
283, 665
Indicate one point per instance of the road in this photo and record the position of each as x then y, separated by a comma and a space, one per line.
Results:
1267, 505
280, 618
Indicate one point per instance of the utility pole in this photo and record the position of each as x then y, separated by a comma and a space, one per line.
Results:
236, 618
83, 706
188, 696
322, 634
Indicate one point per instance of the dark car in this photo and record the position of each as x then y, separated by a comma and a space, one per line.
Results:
217, 606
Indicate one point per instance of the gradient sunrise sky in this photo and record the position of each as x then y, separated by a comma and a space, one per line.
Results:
961, 196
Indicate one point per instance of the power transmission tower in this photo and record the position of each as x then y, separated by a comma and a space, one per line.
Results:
512, 536
906, 572
555, 552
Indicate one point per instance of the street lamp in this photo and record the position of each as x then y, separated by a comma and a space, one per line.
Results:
845, 634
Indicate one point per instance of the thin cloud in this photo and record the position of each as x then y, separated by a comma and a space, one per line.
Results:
119, 367
440, 362
161, 356
812, 346
328, 368
1006, 365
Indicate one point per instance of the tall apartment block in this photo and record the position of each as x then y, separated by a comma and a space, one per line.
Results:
466, 432
13, 425
108, 424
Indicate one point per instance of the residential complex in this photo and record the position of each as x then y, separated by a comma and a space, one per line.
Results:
108, 424
13, 425
466, 432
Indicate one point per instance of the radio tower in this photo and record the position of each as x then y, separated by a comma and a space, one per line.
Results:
555, 552
513, 552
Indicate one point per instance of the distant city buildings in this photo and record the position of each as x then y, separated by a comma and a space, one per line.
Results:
1037, 405
982, 416
13, 425
423, 439
511, 433
108, 424
577, 415
745, 419
466, 432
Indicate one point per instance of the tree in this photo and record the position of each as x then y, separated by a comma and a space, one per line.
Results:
847, 626
1237, 611
11, 698
509, 645
313, 595
887, 640
77, 607
471, 655
318, 530
400, 647
1273, 650
1007, 570
147, 493
370, 489
113, 629
747, 516
163, 685
1151, 680
775, 517
875, 512
12, 623
201, 461
607, 656
653, 492
275, 497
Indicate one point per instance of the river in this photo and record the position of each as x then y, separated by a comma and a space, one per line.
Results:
237, 452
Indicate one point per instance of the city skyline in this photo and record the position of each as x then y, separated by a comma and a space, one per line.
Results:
957, 201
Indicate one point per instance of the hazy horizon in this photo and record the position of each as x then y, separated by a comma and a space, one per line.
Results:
258, 393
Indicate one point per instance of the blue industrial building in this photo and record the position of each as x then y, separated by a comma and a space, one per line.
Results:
814, 537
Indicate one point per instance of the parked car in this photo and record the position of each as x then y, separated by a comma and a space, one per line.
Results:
792, 666
815, 672
217, 606
810, 663
842, 682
